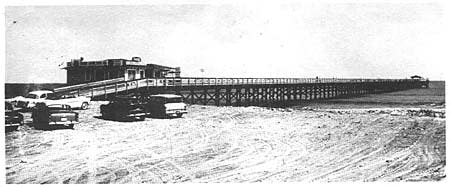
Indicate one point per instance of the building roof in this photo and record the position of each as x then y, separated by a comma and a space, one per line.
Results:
160, 66
415, 77
135, 61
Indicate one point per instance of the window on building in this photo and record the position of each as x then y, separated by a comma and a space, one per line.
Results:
87, 75
99, 75
131, 74
142, 74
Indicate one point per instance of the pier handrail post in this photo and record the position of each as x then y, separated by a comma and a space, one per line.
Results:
104, 89
166, 82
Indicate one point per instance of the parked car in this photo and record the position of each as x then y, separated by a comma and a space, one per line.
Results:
48, 97
13, 119
73, 101
124, 108
45, 116
31, 99
163, 105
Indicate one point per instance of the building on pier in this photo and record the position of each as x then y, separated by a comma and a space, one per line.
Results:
80, 71
424, 82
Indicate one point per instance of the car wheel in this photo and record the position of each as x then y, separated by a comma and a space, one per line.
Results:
71, 126
161, 114
179, 115
105, 114
40, 126
84, 106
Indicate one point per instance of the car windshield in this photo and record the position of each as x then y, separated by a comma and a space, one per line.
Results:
32, 96
52, 96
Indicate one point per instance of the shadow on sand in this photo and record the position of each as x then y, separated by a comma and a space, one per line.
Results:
132, 119
50, 127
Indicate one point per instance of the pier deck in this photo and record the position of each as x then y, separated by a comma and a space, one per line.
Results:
242, 91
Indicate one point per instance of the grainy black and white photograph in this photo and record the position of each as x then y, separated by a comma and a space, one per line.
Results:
229, 92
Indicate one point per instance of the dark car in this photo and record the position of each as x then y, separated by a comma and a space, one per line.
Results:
58, 115
125, 108
13, 119
164, 105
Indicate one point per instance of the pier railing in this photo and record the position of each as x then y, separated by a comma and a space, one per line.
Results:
118, 85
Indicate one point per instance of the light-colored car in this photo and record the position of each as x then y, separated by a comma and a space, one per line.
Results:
73, 101
48, 97
166, 105
31, 99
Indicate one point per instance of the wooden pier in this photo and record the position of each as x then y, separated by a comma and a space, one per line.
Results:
243, 91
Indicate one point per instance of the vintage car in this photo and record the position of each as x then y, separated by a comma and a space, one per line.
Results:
163, 105
45, 116
49, 98
73, 101
31, 99
13, 119
124, 108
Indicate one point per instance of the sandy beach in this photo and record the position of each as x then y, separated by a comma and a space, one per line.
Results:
233, 144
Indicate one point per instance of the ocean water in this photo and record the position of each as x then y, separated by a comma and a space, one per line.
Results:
21, 89
434, 96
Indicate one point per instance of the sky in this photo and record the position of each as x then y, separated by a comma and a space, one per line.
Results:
344, 40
